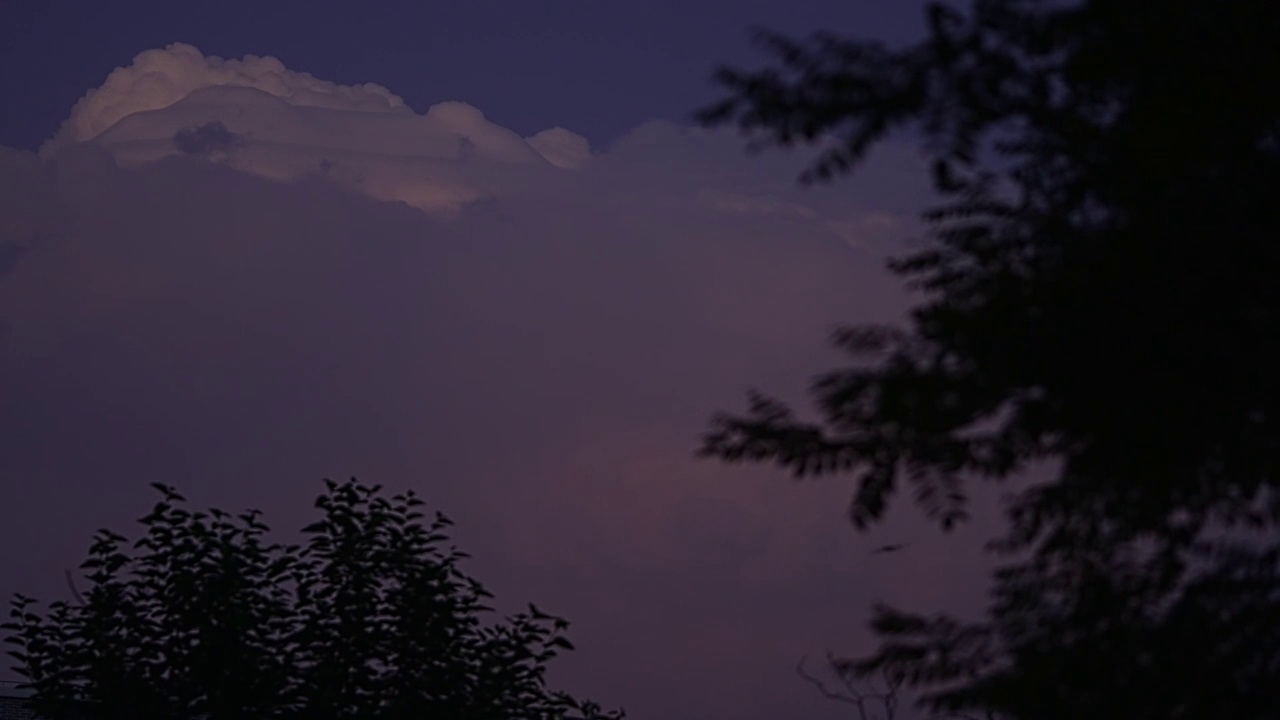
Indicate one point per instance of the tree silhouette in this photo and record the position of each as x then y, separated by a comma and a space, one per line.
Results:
1097, 291
371, 617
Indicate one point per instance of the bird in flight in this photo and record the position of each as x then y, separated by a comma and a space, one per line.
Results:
889, 548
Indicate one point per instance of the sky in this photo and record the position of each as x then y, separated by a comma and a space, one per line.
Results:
472, 249
603, 65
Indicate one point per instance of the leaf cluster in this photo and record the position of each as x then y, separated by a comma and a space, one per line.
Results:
1097, 287
1097, 296
371, 617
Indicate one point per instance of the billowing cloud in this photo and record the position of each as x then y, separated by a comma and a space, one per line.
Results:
246, 279
561, 147
206, 140
159, 78
287, 125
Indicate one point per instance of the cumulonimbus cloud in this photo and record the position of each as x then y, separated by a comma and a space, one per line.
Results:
289, 124
239, 279
159, 78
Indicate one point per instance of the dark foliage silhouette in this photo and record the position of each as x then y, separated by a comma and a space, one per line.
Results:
371, 617
1097, 294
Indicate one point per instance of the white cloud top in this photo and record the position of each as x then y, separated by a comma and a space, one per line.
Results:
159, 78
285, 125
561, 147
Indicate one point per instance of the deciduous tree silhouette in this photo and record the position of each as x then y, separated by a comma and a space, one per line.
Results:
1098, 290
372, 617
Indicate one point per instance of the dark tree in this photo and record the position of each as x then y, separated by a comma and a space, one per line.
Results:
372, 617
1097, 293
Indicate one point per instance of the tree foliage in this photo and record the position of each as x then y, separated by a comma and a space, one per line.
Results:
370, 617
1097, 293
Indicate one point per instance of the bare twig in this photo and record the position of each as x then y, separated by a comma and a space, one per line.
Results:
866, 696
822, 687
71, 583
854, 695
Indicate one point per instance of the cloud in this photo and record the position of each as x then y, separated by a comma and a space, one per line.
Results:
530, 334
561, 147
159, 78
205, 140
288, 125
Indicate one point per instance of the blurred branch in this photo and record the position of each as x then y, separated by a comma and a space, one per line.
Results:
71, 583
866, 697
854, 695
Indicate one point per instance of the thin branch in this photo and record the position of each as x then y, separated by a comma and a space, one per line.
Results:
859, 698
71, 583
827, 692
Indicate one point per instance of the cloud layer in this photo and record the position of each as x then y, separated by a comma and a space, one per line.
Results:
286, 125
239, 279
159, 78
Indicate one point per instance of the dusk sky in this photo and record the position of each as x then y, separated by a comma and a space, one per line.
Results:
473, 249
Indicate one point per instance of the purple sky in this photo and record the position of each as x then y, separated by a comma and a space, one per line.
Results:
600, 66
523, 303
